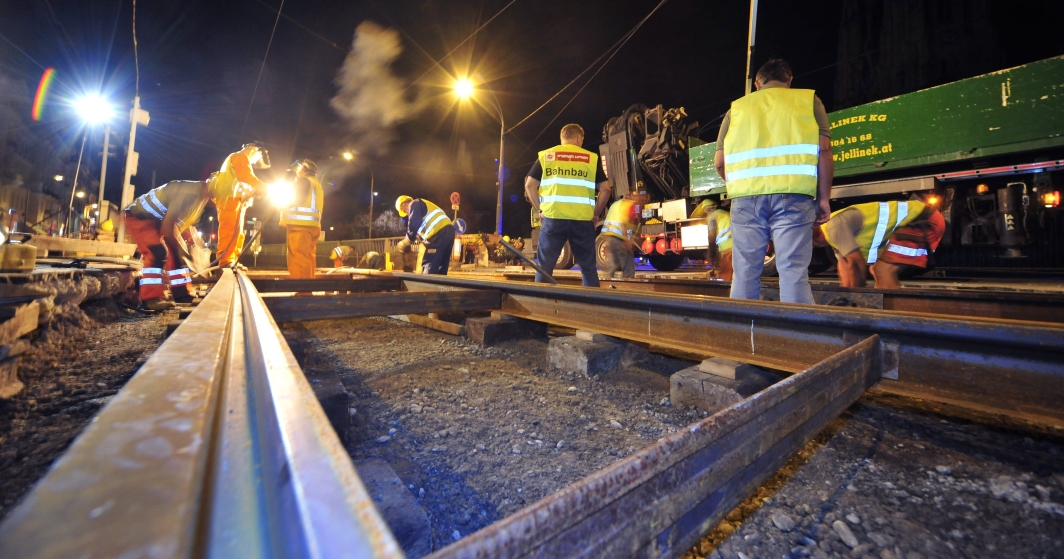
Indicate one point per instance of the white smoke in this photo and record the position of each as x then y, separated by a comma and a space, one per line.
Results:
371, 99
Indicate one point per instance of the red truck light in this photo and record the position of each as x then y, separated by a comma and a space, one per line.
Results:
1051, 199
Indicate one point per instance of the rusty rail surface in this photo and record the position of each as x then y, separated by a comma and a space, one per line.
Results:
217, 447
984, 303
1007, 367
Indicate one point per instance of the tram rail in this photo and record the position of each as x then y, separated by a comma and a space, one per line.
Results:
217, 447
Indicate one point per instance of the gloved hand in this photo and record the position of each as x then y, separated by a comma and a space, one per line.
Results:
404, 245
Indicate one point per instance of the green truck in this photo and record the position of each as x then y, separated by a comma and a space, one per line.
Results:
991, 148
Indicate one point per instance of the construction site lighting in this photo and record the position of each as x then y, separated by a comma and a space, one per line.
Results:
80, 194
280, 193
463, 88
93, 109
348, 155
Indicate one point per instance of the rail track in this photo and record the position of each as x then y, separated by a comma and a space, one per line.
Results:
218, 447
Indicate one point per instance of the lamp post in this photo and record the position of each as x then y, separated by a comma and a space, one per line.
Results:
464, 89
92, 109
350, 156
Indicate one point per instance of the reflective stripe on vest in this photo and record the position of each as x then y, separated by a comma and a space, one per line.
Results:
723, 235
434, 222
879, 220
881, 228
773, 144
619, 222
308, 212
567, 185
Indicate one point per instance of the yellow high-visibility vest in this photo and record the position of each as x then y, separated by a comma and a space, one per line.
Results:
619, 222
880, 220
434, 222
567, 187
723, 219
228, 185
308, 210
773, 144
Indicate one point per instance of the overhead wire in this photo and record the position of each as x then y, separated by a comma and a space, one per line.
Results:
255, 91
610, 51
324, 39
615, 49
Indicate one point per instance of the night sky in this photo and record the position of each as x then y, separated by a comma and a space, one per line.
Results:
199, 60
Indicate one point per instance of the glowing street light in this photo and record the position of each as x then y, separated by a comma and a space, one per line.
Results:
348, 155
80, 194
93, 109
58, 178
464, 89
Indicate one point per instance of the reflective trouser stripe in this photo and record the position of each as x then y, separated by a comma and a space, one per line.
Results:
151, 271
907, 251
179, 272
180, 281
151, 281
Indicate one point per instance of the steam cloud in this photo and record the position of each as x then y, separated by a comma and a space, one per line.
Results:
371, 99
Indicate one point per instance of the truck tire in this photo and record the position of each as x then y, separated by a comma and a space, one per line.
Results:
601, 255
823, 260
665, 262
565, 259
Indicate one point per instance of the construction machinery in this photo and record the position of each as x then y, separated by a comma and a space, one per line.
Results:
987, 150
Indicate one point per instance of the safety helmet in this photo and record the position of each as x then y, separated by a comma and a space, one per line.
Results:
251, 144
310, 167
399, 204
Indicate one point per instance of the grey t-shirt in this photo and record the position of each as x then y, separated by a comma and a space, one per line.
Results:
819, 112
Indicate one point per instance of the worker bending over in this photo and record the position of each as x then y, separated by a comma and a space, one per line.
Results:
339, 254
886, 236
157, 222
720, 247
371, 261
568, 188
619, 236
237, 186
302, 221
427, 223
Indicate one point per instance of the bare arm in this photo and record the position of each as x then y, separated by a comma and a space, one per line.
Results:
602, 198
825, 175
718, 161
532, 192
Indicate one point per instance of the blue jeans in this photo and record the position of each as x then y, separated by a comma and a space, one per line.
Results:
786, 219
581, 236
437, 258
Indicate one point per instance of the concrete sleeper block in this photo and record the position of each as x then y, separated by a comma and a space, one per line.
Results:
712, 393
589, 358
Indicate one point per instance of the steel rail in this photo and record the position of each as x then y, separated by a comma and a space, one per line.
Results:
217, 447
986, 303
1007, 367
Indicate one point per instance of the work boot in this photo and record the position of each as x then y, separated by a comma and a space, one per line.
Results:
157, 305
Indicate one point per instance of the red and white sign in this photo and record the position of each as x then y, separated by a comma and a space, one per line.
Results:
572, 156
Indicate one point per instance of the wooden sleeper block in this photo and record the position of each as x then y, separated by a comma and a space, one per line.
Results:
725, 367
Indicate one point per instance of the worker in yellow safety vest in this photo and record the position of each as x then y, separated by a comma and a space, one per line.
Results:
619, 237
568, 187
882, 238
237, 186
428, 223
720, 247
339, 254
774, 153
157, 221
302, 220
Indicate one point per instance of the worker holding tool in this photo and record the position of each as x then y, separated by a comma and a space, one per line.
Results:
620, 236
774, 153
562, 187
427, 223
885, 238
371, 261
157, 222
237, 187
302, 220
720, 250
339, 254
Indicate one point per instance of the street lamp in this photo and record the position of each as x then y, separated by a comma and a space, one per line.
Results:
464, 89
92, 109
58, 178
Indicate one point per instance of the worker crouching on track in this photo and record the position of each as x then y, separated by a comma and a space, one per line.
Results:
339, 254
157, 221
619, 237
237, 186
720, 248
427, 223
371, 261
303, 220
886, 237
